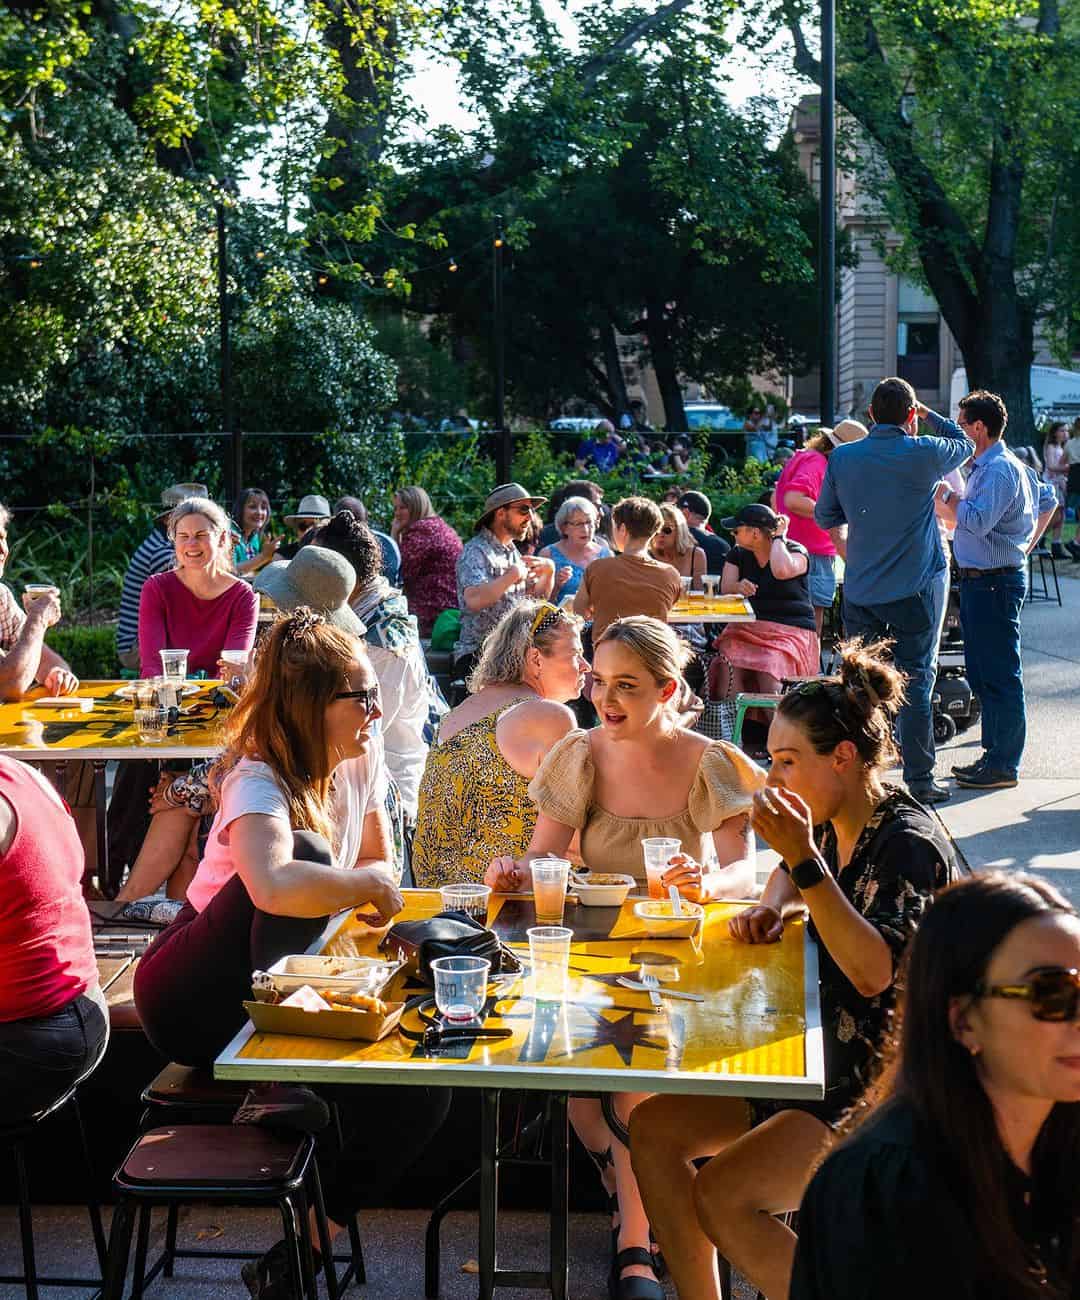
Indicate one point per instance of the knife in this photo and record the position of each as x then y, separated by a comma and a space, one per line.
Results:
628, 983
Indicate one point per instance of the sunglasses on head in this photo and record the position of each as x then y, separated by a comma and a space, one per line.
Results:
1054, 994
368, 697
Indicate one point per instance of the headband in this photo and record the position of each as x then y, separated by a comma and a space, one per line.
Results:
546, 617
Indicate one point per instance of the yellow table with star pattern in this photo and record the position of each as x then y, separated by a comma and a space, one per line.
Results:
756, 1034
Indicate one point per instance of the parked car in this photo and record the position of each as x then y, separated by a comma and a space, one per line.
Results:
712, 416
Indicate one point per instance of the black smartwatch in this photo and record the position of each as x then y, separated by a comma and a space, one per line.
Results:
805, 874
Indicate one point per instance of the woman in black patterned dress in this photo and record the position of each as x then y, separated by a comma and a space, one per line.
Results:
864, 859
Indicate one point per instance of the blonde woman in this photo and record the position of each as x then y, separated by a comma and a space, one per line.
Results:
200, 606
674, 545
474, 795
639, 773
429, 553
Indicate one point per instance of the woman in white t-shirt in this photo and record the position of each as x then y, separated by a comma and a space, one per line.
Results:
300, 833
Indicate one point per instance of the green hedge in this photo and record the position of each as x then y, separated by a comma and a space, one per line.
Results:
91, 651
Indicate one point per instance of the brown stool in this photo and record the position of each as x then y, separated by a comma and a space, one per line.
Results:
236, 1165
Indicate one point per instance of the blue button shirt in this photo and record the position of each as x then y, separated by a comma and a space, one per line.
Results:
883, 489
1001, 506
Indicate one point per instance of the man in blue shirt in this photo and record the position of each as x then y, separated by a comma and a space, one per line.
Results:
896, 576
1004, 511
602, 449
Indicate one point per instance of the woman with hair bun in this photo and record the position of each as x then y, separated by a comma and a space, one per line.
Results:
970, 1142
864, 860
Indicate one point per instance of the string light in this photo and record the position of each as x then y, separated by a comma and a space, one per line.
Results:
498, 243
34, 264
452, 267
324, 279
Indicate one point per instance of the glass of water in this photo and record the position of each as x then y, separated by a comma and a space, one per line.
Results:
460, 987
174, 664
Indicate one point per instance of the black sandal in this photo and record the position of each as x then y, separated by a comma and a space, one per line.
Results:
633, 1288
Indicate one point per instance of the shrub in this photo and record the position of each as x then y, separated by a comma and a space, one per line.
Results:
91, 651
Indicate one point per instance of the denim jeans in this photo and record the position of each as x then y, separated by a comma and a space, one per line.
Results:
42, 1057
990, 616
912, 624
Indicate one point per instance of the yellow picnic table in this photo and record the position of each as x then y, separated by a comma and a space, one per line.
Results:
699, 608
757, 1033
59, 734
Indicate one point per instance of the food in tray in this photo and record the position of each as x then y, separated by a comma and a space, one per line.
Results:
353, 1002
659, 918
602, 888
326, 966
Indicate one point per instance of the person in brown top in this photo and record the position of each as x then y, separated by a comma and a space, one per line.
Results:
631, 582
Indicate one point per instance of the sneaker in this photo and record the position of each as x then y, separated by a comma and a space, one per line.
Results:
283, 1105
268, 1278
1058, 551
969, 769
1073, 549
928, 792
987, 779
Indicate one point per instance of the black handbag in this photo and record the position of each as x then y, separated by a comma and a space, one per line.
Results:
450, 934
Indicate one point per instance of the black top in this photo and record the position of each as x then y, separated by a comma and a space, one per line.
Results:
715, 548
900, 860
879, 1221
785, 601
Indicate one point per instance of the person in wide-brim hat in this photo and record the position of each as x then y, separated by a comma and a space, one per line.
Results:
506, 494
312, 509
319, 578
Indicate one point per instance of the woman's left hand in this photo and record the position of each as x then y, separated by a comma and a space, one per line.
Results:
783, 820
688, 877
59, 681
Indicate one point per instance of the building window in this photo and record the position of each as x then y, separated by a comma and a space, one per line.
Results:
918, 336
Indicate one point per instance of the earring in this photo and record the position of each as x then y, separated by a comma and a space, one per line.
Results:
975, 1049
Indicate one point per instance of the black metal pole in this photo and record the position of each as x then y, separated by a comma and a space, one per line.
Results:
235, 476
827, 256
504, 444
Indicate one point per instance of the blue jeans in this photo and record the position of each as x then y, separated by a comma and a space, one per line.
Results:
44, 1056
990, 616
912, 624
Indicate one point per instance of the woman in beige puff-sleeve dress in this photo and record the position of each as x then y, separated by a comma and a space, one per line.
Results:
639, 774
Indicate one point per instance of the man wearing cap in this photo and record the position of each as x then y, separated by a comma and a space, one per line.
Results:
896, 576
796, 494
492, 576
697, 508
154, 554
1004, 510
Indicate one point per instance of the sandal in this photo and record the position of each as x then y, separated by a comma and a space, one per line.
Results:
633, 1288
659, 1264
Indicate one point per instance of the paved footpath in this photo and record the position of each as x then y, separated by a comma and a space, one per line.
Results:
1034, 827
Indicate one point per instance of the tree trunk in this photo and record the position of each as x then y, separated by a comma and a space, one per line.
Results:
616, 381
999, 355
658, 331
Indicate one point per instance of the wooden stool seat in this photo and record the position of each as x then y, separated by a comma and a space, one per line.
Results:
208, 1157
188, 1085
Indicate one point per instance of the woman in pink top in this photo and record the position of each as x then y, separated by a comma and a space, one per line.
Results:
796, 495
429, 553
1057, 473
201, 606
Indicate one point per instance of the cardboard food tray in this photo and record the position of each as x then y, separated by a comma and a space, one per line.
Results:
271, 1018
290, 973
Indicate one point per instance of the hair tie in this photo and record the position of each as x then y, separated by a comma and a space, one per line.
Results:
864, 676
302, 621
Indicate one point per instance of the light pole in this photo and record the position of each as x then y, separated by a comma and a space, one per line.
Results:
504, 441
827, 251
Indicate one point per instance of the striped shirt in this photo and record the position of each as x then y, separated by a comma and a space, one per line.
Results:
996, 520
154, 554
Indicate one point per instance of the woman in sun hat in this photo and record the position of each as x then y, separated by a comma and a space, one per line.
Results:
796, 494
312, 511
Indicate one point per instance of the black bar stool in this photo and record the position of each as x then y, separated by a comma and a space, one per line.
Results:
15, 1136
234, 1164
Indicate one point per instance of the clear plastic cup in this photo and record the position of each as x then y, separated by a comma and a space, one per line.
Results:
686, 584
658, 854
549, 877
468, 898
174, 664
35, 590
711, 583
152, 723
549, 956
460, 987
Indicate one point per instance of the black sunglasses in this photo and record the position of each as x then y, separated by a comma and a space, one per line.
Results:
369, 697
1053, 994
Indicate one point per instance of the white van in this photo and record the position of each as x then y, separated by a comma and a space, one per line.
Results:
1053, 391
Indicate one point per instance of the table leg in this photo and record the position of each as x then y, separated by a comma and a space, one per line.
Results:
108, 886
560, 1197
489, 1188
60, 777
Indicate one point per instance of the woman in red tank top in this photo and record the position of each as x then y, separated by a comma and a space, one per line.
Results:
54, 1022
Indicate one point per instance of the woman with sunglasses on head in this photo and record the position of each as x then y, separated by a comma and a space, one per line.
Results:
299, 834
674, 545
474, 796
961, 1177
639, 774
864, 860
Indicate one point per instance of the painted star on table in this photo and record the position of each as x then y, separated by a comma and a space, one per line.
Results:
622, 1034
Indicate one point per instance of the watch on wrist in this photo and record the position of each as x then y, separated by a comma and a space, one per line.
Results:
807, 873
947, 496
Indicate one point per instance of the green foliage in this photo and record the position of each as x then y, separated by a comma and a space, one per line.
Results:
91, 651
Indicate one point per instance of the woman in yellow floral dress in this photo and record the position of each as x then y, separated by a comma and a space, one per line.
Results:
474, 796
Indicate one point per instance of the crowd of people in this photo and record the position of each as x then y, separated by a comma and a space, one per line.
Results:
344, 773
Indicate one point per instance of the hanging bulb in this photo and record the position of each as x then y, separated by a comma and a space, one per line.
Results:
453, 266
324, 279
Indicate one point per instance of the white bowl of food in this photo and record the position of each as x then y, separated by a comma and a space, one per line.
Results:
602, 888
659, 918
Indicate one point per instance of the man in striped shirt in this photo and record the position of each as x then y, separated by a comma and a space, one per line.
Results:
154, 554
1004, 511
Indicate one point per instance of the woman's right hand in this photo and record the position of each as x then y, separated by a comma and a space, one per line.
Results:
745, 587
381, 890
758, 924
504, 875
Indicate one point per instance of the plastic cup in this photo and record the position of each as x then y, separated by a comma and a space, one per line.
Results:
35, 590
460, 987
658, 854
710, 581
174, 664
549, 877
152, 723
234, 658
549, 955
686, 585
468, 898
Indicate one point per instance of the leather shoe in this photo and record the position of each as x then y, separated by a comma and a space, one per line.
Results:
968, 769
930, 792
987, 779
